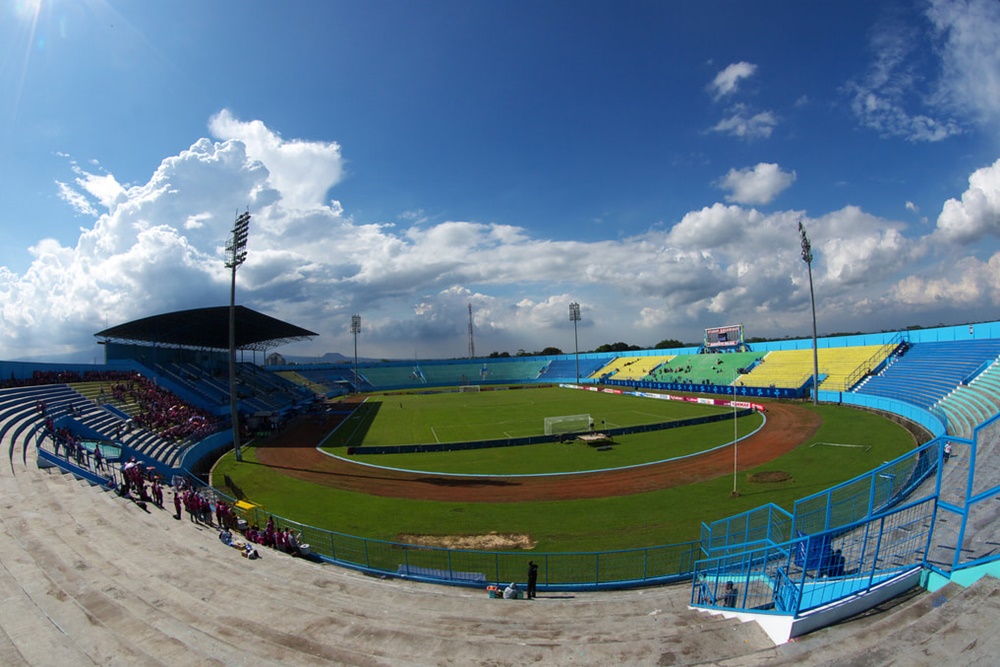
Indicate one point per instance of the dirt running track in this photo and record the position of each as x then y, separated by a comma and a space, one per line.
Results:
293, 453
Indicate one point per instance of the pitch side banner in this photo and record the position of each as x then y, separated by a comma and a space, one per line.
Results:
668, 397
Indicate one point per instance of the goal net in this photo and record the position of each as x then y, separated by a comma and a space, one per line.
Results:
468, 389
567, 424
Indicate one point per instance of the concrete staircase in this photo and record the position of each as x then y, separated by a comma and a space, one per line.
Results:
953, 625
89, 578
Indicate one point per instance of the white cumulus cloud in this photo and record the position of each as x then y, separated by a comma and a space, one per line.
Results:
157, 246
759, 184
303, 171
744, 124
977, 213
727, 80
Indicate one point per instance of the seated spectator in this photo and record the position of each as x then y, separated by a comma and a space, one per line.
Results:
511, 592
730, 595
226, 537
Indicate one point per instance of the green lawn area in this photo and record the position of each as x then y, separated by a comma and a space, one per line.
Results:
666, 516
418, 418
407, 419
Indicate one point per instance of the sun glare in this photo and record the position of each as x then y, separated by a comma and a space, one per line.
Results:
27, 9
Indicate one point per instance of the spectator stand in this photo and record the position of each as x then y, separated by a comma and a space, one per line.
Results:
188, 352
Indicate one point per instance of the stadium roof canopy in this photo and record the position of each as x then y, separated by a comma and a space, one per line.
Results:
207, 328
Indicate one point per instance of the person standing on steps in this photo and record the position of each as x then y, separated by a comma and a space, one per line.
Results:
532, 578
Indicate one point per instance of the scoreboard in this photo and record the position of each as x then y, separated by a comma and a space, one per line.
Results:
727, 336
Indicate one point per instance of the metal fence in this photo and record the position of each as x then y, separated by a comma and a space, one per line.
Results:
768, 524
557, 571
811, 571
868, 494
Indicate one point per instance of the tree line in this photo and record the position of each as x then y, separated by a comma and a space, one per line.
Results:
666, 344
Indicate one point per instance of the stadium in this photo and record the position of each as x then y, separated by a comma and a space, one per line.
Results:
892, 562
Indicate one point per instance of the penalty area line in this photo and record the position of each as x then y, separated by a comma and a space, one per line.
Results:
434, 433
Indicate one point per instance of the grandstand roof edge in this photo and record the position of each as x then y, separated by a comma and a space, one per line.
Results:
207, 328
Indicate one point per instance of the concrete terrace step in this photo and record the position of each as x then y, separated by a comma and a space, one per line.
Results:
46, 625
126, 623
297, 612
939, 624
126, 586
22, 620
227, 556
951, 626
180, 624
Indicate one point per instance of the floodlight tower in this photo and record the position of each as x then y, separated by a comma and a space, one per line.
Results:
736, 444
236, 254
472, 341
807, 257
355, 330
574, 317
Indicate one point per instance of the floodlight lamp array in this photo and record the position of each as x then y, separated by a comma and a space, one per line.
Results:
236, 246
807, 255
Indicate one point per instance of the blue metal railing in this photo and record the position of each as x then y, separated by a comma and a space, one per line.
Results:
814, 570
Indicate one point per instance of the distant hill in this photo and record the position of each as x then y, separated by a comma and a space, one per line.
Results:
328, 358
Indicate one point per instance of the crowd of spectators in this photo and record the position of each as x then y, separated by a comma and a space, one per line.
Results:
65, 443
156, 408
144, 481
160, 410
284, 540
199, 508
198, 505
39, 377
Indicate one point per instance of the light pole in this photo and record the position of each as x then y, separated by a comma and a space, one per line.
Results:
736, 439
236, 254
355, 330
574, 316
807, 257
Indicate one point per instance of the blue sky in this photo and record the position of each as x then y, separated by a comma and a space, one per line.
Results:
649, 160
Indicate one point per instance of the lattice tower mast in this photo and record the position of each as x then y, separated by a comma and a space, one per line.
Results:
472, 341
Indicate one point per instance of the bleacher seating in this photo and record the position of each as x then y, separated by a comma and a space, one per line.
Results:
514, 370
972, 404
927, 372
269, 392
781, 368
837, 365
629, 367
563, 370
313, 386
389, 376
374, 378
719, 369
841, 367
196, 381
332, 380
457, 373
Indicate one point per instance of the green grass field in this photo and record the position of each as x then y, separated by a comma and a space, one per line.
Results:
666, 516
451, 417
454, 417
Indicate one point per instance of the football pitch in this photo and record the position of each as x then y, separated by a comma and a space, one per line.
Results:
666, 516
443, 418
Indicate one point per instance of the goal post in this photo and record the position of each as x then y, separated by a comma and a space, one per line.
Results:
468, 389
567, 424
